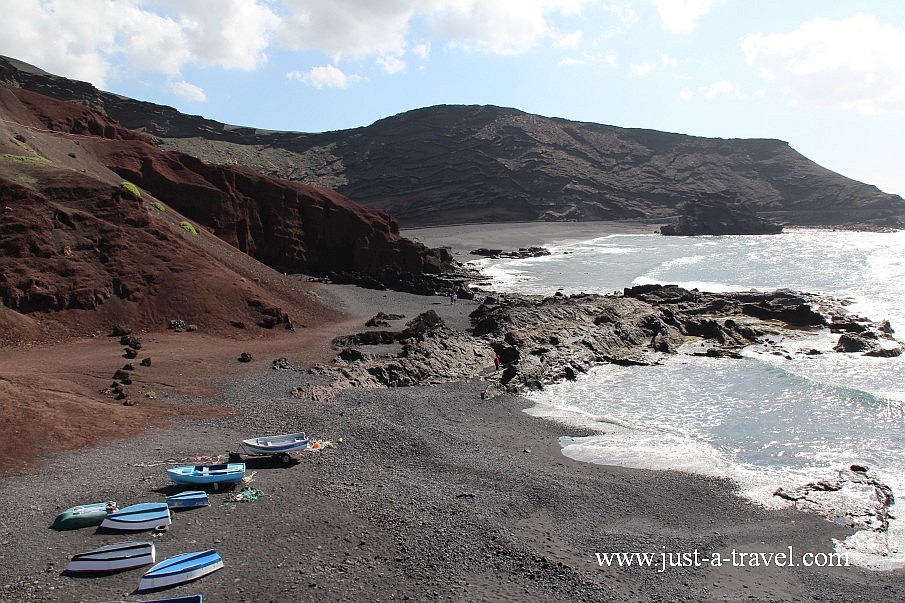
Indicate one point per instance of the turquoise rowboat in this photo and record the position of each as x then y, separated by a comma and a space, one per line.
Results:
83, 516
229, 473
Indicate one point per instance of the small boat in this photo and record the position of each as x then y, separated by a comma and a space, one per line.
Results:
180, 569
184, 599
143, 516
113, 558
208, 474
188, 500
275, 444
83, 515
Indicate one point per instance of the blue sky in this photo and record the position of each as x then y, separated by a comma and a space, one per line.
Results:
828, 76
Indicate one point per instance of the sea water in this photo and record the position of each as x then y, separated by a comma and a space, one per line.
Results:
767, 420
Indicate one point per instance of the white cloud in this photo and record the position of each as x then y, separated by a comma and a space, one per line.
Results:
94, 40
391, 63
587, 58
327, 76
503, 27
856, 63
668, 62
569, 41
91, 39
624, 12
721, 87
422, 51
188, 91
682, 16
641, 69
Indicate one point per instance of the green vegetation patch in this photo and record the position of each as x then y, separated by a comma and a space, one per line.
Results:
23, 158
133, 190
188, 227
158, 206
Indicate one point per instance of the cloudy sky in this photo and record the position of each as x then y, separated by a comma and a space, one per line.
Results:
828, 76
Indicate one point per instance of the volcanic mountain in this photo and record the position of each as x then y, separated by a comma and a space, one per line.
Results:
98, 226
462, 164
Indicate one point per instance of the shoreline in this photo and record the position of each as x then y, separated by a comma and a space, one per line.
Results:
512, 235
433, 494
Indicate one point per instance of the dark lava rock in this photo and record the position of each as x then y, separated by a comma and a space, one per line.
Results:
244, 357
119, 331
851, 343
129, 353
719, 214
145, 361
351, 355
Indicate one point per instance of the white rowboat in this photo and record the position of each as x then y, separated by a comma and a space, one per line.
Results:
113, 558
143, 516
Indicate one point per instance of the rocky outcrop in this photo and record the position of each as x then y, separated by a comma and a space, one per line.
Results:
455, 164
519, 254
545, 340
854, 498
718, 214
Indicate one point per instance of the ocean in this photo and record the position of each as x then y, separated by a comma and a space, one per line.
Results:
767, 420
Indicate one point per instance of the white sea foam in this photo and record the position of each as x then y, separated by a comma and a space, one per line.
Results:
778, 418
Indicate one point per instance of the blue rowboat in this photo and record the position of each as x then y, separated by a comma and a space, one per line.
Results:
228, 473
143, 516
83, 515
275, 444
180, 569
186, 599
188, 500
113, 558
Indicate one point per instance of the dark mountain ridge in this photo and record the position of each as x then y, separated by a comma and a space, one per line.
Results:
462, 164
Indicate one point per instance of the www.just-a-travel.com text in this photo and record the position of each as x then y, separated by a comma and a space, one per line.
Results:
664, 560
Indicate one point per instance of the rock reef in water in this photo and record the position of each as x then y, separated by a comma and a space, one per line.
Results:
719, 214
542, 340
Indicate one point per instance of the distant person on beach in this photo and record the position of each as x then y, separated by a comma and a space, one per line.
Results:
496, 362
453, 298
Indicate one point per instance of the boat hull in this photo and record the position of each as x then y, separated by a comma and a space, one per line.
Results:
113, 558
82, 516
290, 442
230, 473
180, 569
143, 516
188, 500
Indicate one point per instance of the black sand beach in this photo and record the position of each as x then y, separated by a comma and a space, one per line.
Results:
430, 494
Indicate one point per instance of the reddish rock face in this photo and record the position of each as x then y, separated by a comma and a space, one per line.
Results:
75, 244
289, 226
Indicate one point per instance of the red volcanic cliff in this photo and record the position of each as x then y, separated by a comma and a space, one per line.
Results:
79, 252
289, 226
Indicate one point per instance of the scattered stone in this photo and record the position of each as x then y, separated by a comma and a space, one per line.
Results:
244, 357
351, 355
128, 367
191, 328
178, 325
120, 374
130, 353
237, 324
120, 331
145, 361
283, 364
128, 402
